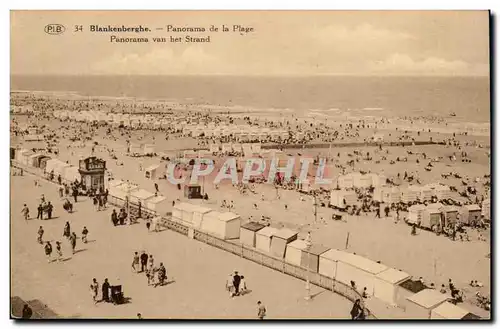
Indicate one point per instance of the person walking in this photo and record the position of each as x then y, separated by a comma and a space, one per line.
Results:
95, 290
26, 212
243, 286
230, 285
40, 212
72, 239
356, 309
151, 262
48, 251
61, 191
50, 207
67, 230
84, 234
135, 262
114, 217
59, 251
162, 275
261, 312
144, 261
236, 283
40, 235
105, 291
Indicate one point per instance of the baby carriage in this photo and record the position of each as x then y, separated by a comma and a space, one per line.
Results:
68, 206
117, 295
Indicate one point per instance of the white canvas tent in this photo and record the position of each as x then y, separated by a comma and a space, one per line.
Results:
223, 225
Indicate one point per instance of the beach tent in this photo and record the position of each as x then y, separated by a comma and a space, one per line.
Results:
448, 311
154, 171
158, 204
264, 237
416, 214
310, 257
328, 262
149, 149
470, 214
248, 233
387, 285
359, 269
140, 195
199, 214
280, 239
421, 304
293, 253
71, 174
222, 225
341, 198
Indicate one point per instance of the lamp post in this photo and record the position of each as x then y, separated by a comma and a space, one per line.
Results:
308, 283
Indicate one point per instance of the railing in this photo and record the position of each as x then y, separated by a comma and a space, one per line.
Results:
251, 254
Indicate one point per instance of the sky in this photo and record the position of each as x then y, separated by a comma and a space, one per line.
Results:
381, 43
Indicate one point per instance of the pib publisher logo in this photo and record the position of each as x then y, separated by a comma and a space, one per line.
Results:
54, 29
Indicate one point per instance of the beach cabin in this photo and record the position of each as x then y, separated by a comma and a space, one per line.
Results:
293, 254
361, 270
342, 199
140, 195
280, 239
43, 162
149, 149
448, 311
183, 212
222, 225
345, 182
263, 239
159, 204
387, 194
256, 147
470, 214
248, 233
450, 215
71, 174
122, 191
135, 149
237, 148
410, 193
199, 214
214, 148
421, 304
34, 160
486, 209
361, 181
433, 216
154, 171
377, 180
328, 262
425, 193
388, 285
310, 257
227, 148
416, 214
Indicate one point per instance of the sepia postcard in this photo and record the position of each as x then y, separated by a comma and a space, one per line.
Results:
250, 165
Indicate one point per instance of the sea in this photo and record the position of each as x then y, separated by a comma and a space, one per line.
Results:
466, 99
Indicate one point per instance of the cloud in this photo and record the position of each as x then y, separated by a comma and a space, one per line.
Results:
364, 34
401, 64
160, 61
